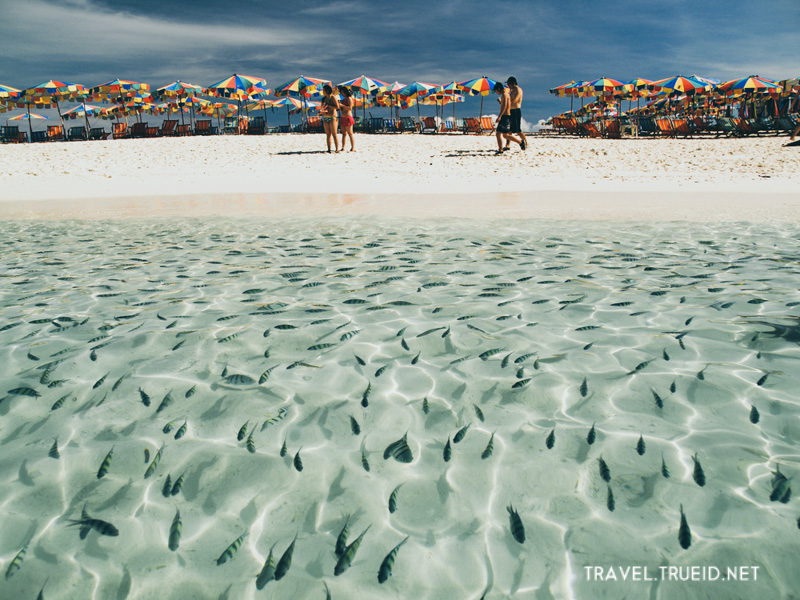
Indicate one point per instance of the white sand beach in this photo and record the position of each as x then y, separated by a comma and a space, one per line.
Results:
751, 179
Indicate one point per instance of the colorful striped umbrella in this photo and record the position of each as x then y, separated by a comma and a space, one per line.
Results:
302, 87
415, 91
178, 89
27, 115
749, 85
364, 85
289, 103
8, 92
119, 88
50, 93
236, 86
684, 85
603, 87
474, 87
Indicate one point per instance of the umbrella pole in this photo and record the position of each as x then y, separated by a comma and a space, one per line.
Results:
30, 127
266, 124
86, 118
180, 108
61, 118
481, 108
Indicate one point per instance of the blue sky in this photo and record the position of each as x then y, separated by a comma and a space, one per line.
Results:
542, 43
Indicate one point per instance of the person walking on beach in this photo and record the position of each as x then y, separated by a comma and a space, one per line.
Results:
515, 95
503, 122
329, 107
347, 121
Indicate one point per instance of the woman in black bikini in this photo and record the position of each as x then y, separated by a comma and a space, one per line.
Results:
329, 117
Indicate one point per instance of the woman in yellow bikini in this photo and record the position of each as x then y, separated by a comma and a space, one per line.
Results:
328, 108
347, 121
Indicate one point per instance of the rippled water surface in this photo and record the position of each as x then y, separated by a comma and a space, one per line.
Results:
273, 368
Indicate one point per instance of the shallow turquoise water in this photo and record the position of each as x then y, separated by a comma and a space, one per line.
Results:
517, 329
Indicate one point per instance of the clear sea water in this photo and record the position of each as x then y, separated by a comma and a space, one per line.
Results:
337, 338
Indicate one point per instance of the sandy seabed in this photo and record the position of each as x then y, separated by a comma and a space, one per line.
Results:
276, 320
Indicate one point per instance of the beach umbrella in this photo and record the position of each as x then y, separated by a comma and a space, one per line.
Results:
450, 89
51, 93
603, 87
681, 84
180, 89
27, 115
749, 85
236, 86
118, 90
364, 86
480, 86
301, 87
414, 91
8, 94
289, 103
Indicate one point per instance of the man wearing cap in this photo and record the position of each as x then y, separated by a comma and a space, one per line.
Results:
515, 94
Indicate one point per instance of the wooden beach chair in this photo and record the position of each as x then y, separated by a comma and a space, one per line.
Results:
244, 123
55, 133
409, 125
77, 133
461, 125
647, 126
202, 127
184, 129
449, 126
611, 129
486, 125
256, 126
699, 125
314, 125
429, 125
152, 131
590, 129
230, 126
139, 130
168, 127
473, 125
680, 126
376, 125
98, 133
40, 136
12, 135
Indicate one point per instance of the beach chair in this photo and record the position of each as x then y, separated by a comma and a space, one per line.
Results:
646, 126
461, 125
698, 125
409, 125
244, 123
390, 126
202, 127
681, 127
376, 125
572, 126
230, 126
429, 125
590, 129
11, 135
314, 125
486, 125
449, 126
98, 133
139, 130
473, 125
256, 126
184, 129
39, 136
285, 129
152, 131
168, 127
785, 124
55, 133
77, 133
120, 131
611, 129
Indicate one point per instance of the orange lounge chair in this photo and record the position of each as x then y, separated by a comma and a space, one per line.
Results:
168, 127
473, 125
486, 125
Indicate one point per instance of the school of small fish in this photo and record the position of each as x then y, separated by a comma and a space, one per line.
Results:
293, 386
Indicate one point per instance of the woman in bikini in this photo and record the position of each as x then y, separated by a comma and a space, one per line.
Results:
347, 121
329, 107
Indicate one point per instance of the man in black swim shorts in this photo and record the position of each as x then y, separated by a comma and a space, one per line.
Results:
503, 122
515, 95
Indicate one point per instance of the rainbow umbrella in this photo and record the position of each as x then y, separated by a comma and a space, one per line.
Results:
302, 87
481, 85
27, 115
290, 103
179, 89
681, 84
118, 91
50, 93
602, 87
236, 86
415, 91
749, 85
363, 86
449, 89
8, 93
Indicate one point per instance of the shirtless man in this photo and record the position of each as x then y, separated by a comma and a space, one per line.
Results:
515, 94
504, 120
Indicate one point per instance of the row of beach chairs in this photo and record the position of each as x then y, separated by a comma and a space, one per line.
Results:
676, 126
